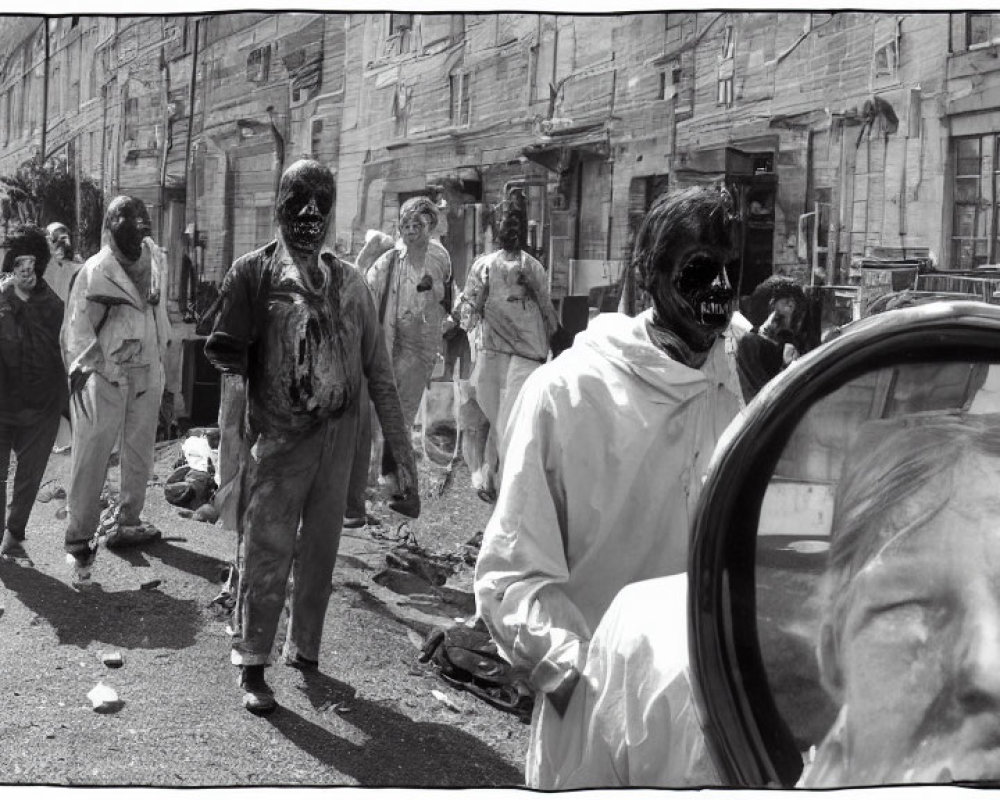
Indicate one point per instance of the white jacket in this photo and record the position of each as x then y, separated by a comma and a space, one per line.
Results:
633, 720
133, 333
606, 452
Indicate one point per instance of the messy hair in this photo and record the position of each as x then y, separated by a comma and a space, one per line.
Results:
419, 205
27, 240
897, 476
675, 220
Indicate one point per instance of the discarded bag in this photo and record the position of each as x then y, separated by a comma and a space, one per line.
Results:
189, 488
467, 658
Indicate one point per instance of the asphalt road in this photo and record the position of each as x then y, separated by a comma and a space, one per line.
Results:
368, 718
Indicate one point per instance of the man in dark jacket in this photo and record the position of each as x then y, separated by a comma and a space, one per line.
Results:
300, 326
33, 388
767, 349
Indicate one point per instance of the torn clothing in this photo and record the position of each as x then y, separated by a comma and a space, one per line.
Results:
613, 411
110, 326
303, 345
412, 322
32, 377
296, 490
632, 719
411, 315
511, 299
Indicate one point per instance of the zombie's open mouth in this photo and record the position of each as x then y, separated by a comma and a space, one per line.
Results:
307, 228
713, 314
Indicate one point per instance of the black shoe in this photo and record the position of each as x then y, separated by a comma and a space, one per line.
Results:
301, 662
12, 550
258, 697
406, 504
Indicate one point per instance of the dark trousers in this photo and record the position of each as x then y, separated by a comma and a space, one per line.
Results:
32, 444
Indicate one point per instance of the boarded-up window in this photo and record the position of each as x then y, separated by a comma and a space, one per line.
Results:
458, 85
543, 61
259, 64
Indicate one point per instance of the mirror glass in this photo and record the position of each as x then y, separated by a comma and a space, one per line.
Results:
878, 579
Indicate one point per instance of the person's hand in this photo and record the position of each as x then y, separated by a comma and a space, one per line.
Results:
77, 381
425, 284
406, 499
789, 354
448, 324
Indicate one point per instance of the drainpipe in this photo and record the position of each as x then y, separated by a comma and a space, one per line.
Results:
45, 90
164, 100
191, 97
191, 191
279, 150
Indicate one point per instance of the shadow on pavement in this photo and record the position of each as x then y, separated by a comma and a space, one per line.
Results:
129, 619
398, 751
190, 561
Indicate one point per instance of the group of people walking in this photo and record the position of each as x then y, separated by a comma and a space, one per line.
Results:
600, 451
82, 343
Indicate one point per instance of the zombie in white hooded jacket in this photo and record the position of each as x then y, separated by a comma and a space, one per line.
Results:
605, 454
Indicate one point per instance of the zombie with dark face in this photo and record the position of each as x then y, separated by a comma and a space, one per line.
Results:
768, 348
298, 330
507, 294
64, 263
605, 452
32, 379
114, 339
410, 283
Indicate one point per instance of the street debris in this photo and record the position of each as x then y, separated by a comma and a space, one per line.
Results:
104, 699
446, 701
112, 658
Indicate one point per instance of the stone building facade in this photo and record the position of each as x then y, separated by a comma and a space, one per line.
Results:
841, 134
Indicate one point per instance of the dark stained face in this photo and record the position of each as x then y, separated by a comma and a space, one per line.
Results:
304, 205
697, 300
509, 232
128, 222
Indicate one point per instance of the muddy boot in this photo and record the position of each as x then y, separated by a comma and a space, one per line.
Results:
258, 697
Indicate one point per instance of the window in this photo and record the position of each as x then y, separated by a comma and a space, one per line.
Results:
73, 73
263, 224
315, 137
259, 64
662, 95
725, 96
55, 92
982, 29
400, 109
131, 120
543, 65
399, 23
727, 42
977, 180
458, 86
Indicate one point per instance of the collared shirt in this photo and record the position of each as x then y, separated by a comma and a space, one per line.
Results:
303, 351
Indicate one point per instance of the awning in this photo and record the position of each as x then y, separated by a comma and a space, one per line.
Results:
554, 149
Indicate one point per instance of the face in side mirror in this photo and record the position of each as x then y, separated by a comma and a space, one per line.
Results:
845, 576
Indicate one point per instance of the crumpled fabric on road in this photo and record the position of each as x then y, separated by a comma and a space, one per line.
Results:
632, 719
605, 458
